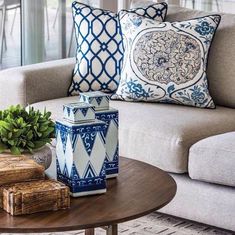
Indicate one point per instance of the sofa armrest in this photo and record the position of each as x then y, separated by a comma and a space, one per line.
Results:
34, 83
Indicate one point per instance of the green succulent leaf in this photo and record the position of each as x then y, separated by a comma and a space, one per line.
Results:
38, 144
17, 133
5, 125
24, 129
30, 144
30, 149
29, 135
4, 139
3, 132
48, 132
43, 128
15, 150
9, 135
11, 142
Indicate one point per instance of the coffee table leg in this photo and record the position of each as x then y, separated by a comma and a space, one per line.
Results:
90, 231
112, 230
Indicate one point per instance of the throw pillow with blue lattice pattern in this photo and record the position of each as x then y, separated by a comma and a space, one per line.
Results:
100, 47
166, 62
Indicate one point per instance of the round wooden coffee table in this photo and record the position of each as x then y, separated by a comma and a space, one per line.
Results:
139, 190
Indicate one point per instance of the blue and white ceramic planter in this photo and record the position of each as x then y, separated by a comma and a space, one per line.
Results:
110, 117
78, 112
81, 154
96, 98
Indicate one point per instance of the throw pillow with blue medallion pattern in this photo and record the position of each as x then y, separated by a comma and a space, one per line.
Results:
166, 62
100, 46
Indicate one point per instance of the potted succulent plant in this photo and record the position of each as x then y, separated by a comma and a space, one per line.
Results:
26, 132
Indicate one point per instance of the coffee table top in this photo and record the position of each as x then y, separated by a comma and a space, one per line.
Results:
139, 190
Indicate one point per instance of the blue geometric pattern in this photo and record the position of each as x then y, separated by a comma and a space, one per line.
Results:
81, 154
64, 140
68, 110
78, 184
100, 47
88, 141
77, 112
110, 117
98, 99
84, 111
167, 62
90, 172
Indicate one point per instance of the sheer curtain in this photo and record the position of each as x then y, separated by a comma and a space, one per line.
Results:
47, 28
33, 33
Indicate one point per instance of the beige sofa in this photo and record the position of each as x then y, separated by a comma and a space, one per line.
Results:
195, 145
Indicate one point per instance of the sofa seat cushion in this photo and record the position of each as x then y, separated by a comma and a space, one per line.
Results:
213, 159
160, 134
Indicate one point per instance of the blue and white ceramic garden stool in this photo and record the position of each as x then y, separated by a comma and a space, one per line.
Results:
81, 155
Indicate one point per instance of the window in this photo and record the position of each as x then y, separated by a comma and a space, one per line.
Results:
33, 31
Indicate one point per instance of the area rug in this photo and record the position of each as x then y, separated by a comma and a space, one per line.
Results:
156, 223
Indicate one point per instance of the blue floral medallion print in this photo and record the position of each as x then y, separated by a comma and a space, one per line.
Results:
137, 90
99, 56
204, 28
166, 62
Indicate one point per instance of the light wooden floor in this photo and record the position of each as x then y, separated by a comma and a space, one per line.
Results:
12, 55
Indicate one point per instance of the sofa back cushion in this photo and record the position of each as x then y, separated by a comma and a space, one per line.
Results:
221, 64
